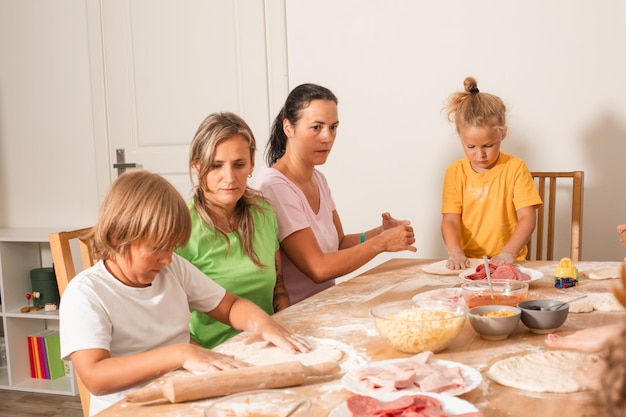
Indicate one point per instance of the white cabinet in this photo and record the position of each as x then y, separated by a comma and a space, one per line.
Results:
20, 251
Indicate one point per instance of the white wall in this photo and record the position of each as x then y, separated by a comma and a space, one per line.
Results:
557, 65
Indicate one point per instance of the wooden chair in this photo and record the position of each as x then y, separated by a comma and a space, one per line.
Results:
64, 263
546, 215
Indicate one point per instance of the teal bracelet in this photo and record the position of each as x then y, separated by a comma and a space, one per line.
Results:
362, 237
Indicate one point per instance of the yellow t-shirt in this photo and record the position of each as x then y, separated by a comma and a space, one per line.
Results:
488, 203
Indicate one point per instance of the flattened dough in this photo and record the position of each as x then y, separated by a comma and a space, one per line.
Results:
440, 268
264, 353
549, 371
595, 301
606, 273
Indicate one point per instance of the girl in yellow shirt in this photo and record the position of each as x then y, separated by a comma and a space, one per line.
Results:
490, 200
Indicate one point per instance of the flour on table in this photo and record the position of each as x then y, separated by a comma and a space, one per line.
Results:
440, 268
265, 353
546, 371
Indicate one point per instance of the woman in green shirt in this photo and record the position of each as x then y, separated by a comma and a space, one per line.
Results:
234, 231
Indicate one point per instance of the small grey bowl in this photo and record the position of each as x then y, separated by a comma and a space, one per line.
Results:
494, 328
543, 321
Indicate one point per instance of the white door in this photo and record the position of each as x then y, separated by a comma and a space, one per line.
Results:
160, 67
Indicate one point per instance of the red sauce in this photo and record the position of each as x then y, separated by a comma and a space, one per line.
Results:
484, 298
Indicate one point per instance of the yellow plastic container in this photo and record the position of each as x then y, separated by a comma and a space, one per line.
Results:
566, 274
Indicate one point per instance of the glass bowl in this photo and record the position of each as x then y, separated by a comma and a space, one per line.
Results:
417, 326
505, 292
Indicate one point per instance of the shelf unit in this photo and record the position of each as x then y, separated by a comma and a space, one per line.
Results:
23, 249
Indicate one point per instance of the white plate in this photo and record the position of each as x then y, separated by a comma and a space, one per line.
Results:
351, 382
451, 405
453, 295
533, 273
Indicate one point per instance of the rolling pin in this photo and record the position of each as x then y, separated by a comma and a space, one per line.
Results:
188, 387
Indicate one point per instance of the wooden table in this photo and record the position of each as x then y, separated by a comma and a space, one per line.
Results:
341, 313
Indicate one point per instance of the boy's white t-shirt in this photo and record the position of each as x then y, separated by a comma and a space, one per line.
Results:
99, 312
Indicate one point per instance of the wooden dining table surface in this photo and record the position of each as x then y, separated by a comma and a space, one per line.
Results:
342, 314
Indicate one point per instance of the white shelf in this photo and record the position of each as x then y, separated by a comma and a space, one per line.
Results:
45, 315
61, 386
23, 249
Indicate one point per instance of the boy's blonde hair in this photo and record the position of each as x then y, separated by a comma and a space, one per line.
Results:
140, 208
473, 108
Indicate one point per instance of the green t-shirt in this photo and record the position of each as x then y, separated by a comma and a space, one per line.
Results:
234, 271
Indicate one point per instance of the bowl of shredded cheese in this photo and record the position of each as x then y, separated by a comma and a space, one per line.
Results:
415, 326
494, 322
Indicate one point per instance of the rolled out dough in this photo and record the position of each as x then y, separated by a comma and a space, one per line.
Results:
440, 268
606, 273
595, 301
264, 353
549, 371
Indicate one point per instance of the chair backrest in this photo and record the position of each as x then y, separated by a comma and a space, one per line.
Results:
546, 215
61, 248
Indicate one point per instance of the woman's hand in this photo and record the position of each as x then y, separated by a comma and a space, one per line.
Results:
273, 332
590, 340
199, 359
398, 238
244, 315
389, 222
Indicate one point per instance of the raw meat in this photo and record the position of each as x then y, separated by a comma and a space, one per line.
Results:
415, 372
406, 406
504, 271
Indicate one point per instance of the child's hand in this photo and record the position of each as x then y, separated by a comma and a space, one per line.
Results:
503, 258
199, 359
458, 261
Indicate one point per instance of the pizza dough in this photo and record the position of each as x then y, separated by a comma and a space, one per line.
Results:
549, 371
440, 268
606, 273
265, 353
595, 301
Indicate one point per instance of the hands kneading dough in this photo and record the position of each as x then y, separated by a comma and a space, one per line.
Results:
264, 353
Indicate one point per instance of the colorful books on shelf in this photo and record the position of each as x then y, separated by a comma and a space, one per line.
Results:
44, 350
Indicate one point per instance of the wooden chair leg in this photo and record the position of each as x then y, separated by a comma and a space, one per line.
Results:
84, 396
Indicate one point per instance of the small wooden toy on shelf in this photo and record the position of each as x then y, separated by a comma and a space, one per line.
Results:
36, 305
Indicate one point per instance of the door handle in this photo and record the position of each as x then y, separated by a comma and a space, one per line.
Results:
121, 165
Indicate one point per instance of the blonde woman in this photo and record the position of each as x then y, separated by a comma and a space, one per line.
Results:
233, 228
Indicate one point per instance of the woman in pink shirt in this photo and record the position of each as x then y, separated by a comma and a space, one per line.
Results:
315, 249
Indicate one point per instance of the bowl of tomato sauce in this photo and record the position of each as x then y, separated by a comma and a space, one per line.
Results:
502, 292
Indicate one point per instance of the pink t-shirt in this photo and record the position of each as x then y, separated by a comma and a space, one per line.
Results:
294, 213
